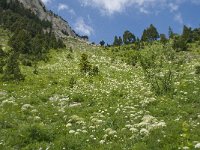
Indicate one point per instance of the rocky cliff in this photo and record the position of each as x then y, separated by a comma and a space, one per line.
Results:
60, 27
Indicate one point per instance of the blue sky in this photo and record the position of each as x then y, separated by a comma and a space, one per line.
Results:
103, 19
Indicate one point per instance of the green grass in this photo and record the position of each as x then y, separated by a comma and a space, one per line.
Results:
117, 109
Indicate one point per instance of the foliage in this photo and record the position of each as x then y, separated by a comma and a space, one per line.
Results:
12, 70
128, 37
72, 82
150, 34
187, 34
2, 59
95, 70
118, 109
158, 69
197, 69
180, 44
171, 33
163, 39
85, 66
117, 41
102, 43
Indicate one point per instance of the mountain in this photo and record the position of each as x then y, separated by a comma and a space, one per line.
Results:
60, 27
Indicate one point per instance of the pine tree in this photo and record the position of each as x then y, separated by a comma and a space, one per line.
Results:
187, 34
128, 37
116, 41
85, 65
152, 33
144, 37
120, 42
12, 70
20, 42
171, 33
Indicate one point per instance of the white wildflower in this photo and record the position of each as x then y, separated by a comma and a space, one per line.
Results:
197, 145
71, 131
68, 125
102, 141
26, 106
144, 131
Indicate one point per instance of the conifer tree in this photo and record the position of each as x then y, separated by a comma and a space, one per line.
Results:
150, 34
116, 41
187, 34
144, 36
12, 70
85, 65
20, 42
120, 42
128, 37
171, 33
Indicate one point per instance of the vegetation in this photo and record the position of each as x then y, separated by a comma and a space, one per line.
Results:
137, 94
29, 42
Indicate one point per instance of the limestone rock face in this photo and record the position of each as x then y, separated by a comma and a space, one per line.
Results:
60, 27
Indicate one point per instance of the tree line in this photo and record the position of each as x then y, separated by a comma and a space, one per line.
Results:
151, 34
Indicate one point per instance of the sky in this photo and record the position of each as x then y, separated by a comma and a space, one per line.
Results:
103, 19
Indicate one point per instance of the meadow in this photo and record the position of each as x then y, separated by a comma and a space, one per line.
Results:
145, 99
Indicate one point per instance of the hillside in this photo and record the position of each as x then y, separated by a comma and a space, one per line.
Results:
122, 106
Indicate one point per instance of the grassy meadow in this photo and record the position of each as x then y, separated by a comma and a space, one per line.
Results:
147, 99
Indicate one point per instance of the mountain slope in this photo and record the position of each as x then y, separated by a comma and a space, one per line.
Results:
62, 108
60, 27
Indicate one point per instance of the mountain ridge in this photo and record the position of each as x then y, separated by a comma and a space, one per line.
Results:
60, 27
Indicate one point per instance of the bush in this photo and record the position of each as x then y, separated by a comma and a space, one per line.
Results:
12, 70
26, 62
78, 98
70, 56
180, 44
197, 69
85, 66
158, 70
95, 70
72, 82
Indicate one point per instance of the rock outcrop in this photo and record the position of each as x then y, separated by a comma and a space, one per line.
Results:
60, 27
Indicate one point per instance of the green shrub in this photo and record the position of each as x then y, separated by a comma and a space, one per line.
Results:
157, 69
85, 65
26, 62
180, 44
70, 56
72, 82
94, 71
197, 69
78, 98
12, 70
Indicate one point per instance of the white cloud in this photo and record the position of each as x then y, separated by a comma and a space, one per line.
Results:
83, 28
178, 18
62, 7
66, 7
110, 7
173, 7
46, 1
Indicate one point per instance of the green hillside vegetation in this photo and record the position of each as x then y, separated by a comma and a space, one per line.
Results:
134, 99
137, 94
29, 40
